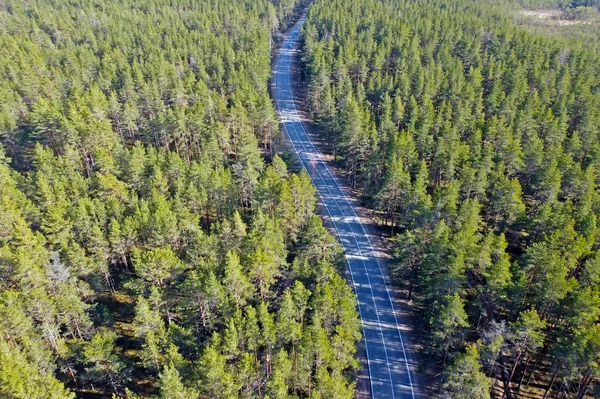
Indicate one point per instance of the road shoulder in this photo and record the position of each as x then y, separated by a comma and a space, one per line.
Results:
403, 309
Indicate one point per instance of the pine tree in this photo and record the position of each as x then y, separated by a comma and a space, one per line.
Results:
525, 337
157, 266
465, 380
103, 360
21, 378
171, 386
394, 192
448, 325
237, 286
217, 381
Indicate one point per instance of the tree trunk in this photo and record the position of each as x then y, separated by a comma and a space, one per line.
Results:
510, 377
524, 372
583, 387
537, 361
506, 383
492, 370
552, 382
443, 369
561, 389
70, 370
77, 328
512, 373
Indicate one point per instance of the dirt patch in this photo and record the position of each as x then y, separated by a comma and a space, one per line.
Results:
542, 14
549, 17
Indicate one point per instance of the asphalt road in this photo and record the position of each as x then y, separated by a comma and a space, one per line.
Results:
389, 371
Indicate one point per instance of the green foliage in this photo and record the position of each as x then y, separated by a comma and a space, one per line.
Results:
147, 248
22, 378
201, 290
171, 386
475, 142
465, 378
103, 359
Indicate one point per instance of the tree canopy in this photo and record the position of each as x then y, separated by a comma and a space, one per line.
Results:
151, 242
476, 142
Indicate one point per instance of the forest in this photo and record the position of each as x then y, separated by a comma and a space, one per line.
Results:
152, 243
475, 142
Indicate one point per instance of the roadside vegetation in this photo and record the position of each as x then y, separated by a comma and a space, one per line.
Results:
151, 244
475, 141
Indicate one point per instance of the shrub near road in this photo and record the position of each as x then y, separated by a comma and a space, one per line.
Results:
477, 144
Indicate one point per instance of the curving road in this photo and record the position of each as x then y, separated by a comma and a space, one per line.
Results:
389, 371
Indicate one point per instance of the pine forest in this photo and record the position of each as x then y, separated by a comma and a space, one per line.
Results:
159, 239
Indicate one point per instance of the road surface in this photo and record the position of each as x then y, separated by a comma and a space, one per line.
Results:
389, 371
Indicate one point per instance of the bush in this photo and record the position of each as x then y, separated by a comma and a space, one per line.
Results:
581, 13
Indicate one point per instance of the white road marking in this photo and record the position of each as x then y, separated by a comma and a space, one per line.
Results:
294, 117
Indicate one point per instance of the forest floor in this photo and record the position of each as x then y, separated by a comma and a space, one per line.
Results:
380, 240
